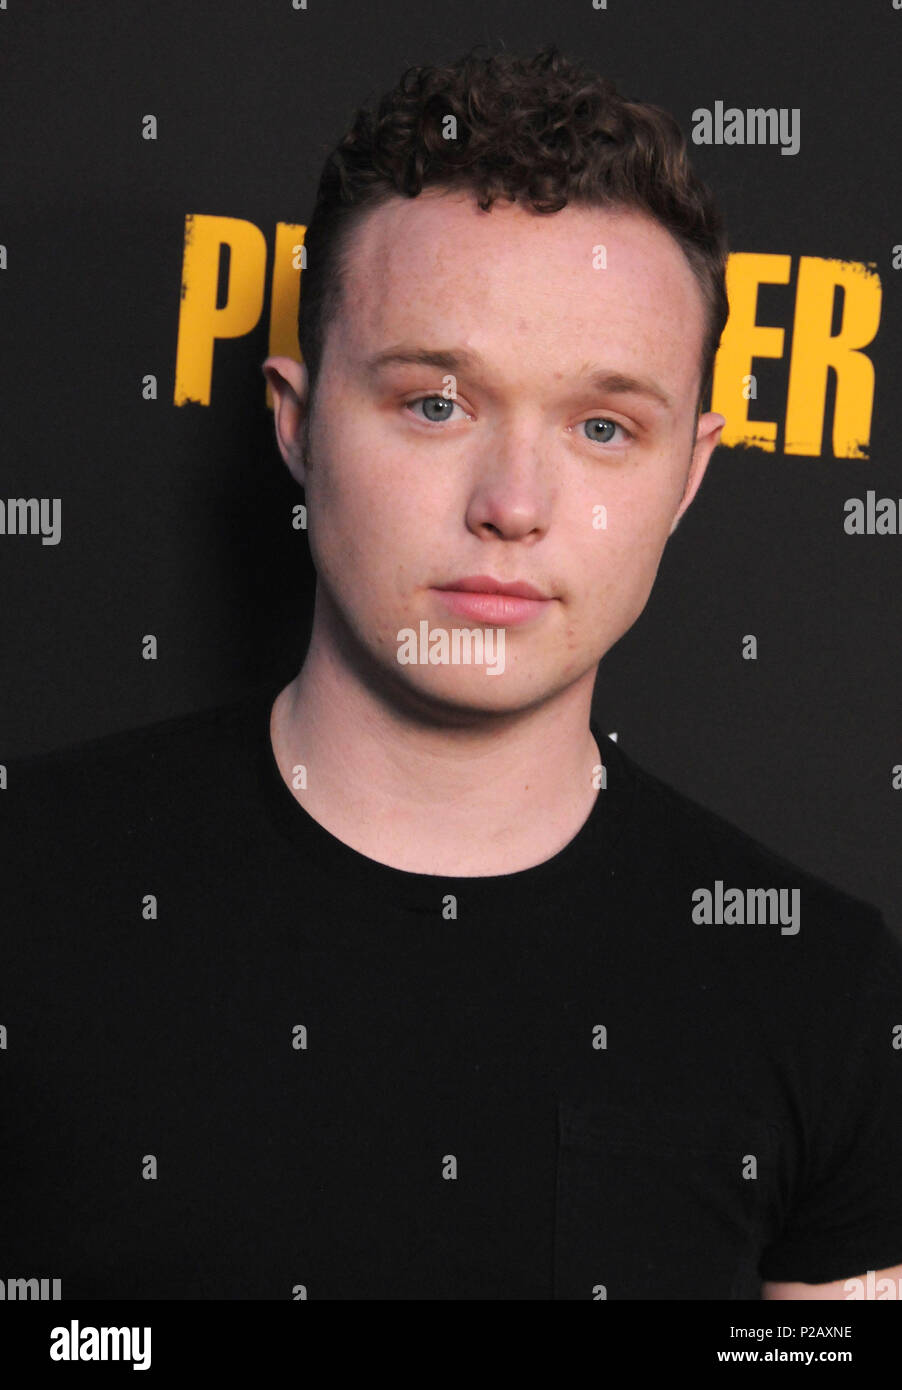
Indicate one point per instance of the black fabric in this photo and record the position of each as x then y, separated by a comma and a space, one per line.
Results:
589, 1164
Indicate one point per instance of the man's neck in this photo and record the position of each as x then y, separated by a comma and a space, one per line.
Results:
461, 799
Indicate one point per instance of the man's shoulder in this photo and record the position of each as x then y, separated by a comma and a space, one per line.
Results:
682, 836
111, 772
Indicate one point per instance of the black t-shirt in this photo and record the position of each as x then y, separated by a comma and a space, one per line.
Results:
244, 1061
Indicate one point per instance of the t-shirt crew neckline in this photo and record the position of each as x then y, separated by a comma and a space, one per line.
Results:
591, 850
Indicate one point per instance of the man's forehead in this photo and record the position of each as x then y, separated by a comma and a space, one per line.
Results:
447, 233
438, 265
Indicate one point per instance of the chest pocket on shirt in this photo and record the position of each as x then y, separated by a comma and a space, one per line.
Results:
660, 1205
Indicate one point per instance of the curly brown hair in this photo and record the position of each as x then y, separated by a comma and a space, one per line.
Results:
544, 131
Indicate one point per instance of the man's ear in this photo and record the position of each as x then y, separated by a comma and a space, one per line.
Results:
707, 437
288, 382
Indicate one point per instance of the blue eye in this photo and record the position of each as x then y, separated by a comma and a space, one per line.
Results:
442, 402
606, 424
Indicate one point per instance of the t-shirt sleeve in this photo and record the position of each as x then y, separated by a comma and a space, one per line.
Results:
846, 1217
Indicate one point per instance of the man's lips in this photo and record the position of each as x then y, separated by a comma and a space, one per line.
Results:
484, 599
485, 584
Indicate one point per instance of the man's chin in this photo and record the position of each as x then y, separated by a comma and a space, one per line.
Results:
460, 697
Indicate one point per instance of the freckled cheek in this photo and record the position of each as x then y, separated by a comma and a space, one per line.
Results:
611, 577
339, 534
369, 542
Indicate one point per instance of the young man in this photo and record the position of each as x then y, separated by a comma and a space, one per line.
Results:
400, 982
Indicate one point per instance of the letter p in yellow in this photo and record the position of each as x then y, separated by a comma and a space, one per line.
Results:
200, 321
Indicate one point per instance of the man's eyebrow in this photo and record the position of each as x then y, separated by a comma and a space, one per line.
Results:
452, 359
622, 384
463, 359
